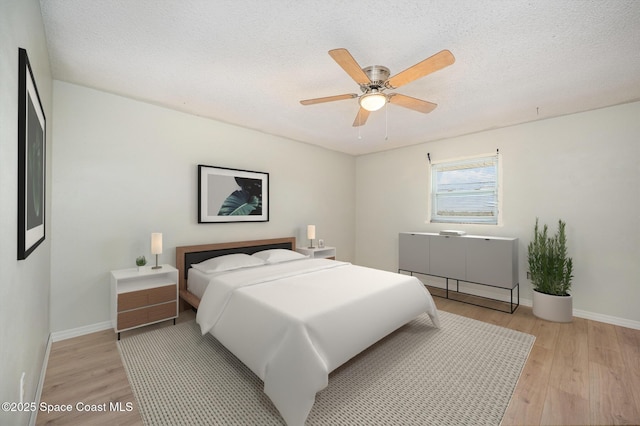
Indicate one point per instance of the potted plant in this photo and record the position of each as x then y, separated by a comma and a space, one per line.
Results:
140, 262
551, 273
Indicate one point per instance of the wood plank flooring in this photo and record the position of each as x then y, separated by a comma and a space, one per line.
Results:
580, 373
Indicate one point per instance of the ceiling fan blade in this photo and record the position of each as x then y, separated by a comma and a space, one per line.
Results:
434, 63
412, 103
346, 61
361, 118
328, 99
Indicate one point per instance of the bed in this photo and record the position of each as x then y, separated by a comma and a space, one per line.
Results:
291, 319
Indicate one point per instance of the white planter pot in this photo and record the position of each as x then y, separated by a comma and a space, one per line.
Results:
552, 308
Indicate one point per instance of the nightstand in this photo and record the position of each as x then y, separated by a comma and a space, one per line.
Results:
144, 297
317, 252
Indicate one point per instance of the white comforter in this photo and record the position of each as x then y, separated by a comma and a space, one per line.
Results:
293, 323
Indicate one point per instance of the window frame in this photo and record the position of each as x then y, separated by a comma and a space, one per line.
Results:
460, 164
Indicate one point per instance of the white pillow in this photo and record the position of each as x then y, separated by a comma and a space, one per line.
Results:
278, 255
228, 262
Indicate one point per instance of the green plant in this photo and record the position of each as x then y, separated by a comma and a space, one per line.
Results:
550, 267
141, 261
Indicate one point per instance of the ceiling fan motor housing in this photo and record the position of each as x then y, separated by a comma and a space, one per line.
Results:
378, 76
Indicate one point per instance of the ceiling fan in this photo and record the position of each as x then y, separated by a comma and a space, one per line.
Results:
374, 80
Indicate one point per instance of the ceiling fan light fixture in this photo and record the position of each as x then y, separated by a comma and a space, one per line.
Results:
373, 101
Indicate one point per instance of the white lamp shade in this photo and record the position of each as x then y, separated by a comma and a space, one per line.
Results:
156, 243
311, 232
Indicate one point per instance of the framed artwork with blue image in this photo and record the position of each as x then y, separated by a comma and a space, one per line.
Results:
232, 195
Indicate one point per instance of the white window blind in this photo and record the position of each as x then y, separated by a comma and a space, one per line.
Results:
465, 191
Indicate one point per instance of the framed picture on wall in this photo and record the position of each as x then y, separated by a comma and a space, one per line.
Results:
231, 195
31, 161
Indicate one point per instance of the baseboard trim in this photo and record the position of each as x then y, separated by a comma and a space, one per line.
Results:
80, 331
483, 291
607, 319
43, 373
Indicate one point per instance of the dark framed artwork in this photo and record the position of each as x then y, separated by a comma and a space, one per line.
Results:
231, 195
31, 161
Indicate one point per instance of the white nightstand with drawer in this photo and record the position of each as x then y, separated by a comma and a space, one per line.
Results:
317, 252
144, 297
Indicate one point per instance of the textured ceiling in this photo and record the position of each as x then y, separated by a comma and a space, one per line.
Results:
250, 62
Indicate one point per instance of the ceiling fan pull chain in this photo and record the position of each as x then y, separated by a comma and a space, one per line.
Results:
386, 121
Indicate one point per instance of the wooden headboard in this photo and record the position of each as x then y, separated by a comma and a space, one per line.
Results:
188, 255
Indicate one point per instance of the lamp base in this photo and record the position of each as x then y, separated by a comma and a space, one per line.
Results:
157, 266
311, 244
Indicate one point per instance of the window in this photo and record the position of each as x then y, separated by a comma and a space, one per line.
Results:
465, 191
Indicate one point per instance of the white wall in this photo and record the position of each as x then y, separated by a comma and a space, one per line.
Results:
124, 169
583, 168
24, 285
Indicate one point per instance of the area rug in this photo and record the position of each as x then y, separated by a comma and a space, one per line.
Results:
461, 374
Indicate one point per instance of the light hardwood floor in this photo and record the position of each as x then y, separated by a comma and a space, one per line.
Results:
580, 373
